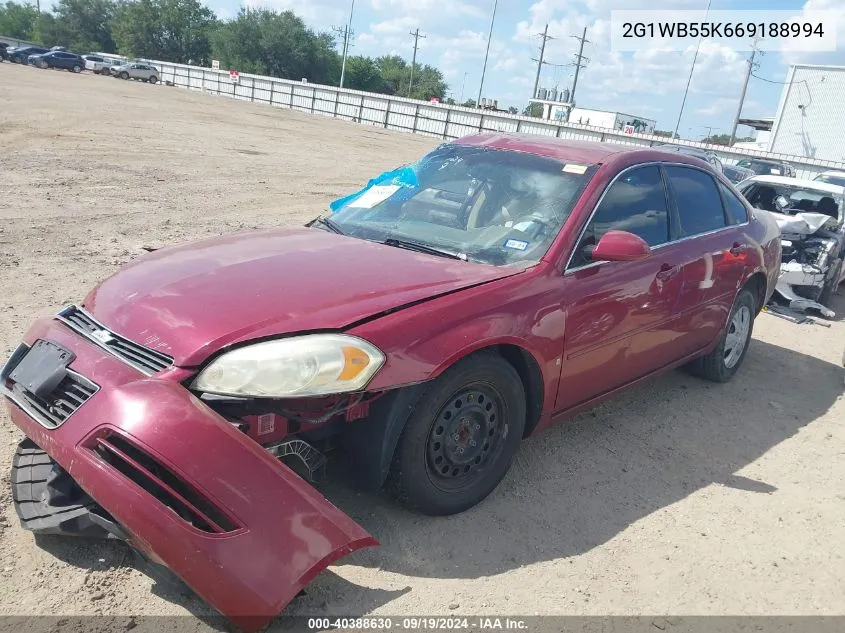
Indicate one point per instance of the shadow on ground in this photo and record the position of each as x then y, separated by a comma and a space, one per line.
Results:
578, 485
572, 488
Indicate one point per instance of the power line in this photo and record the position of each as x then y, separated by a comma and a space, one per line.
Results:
416, 35
486, 54
545, 35
691, 71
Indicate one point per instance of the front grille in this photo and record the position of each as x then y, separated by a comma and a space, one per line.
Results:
162, 483
142, 358
54, 409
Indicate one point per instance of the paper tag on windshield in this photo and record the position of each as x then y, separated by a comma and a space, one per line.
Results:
775, 171
571, 168
373, 196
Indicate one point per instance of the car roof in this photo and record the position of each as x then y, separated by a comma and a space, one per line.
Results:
799, 182
585, 152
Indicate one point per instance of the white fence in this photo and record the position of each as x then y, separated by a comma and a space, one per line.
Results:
420, 117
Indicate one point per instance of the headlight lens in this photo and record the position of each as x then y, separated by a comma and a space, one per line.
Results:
312, 365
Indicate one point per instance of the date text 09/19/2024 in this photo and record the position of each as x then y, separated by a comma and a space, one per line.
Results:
419, 624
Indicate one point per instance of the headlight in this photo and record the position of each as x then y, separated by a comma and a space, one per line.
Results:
311, 365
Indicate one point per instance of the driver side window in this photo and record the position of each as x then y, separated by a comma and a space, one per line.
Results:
635, 202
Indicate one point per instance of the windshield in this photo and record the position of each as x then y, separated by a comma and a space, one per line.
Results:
486, 205
833, 179
793, 199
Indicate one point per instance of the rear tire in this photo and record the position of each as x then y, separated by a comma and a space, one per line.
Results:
461, 438
76, 69
724, 361
153, 79
124, 75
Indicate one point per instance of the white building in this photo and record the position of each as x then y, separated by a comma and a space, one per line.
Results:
602, 118
810, 119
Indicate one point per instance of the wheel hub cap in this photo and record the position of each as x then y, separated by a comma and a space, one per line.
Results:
464, 434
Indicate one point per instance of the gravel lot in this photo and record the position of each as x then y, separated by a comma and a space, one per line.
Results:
680, 497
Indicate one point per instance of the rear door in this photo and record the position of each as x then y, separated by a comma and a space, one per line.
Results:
713, 224
621, 318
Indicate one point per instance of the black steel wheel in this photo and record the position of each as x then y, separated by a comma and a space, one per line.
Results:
460, 440
466, 435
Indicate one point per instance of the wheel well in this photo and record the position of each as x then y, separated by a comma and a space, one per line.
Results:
757, 285
532, 381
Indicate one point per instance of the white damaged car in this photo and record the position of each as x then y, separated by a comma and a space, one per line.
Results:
811, 217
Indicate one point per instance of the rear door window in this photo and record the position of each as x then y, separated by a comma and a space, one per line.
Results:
697, 198
737, 213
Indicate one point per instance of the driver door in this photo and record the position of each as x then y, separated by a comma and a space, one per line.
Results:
621, 317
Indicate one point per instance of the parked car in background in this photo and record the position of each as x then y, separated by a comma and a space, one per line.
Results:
20, 55
811, 217
4, 51
100, 65
764, 166
832, 178
493, 288
736, 174
703, 154
59, 59
136, 70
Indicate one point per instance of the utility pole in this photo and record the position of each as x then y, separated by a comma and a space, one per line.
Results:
580, 61
754, 52
346, 44
416, 35
486, 54
463, 83
545, 35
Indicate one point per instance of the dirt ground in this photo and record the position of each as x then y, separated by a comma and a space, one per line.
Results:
680, 497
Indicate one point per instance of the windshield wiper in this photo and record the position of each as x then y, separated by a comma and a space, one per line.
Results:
423, 248
330, 224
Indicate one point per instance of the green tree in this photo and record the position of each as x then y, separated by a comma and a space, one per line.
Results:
469, 103
171, 30
666, 134
513, 110
533, 109
277, 44
17, 20
718, 139
362, 73
81, 25
428, 83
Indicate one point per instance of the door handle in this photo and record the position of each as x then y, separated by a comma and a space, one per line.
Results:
737, 248
666, 272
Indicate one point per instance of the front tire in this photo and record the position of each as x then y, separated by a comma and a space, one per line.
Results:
461, 438
153, 79
724, 361
77, 69
124, 75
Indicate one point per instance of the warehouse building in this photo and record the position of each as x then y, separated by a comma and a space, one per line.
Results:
810, 119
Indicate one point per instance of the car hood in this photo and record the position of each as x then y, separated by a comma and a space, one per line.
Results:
189, 301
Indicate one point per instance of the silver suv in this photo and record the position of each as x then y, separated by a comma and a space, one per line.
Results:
136, 70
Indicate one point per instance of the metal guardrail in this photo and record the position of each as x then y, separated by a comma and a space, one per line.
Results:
419, 117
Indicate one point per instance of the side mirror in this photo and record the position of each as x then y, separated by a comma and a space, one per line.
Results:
618, 246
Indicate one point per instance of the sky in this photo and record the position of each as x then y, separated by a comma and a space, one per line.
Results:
647, 83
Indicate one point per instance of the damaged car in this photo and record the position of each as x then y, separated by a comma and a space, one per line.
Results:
811, 217
416, 334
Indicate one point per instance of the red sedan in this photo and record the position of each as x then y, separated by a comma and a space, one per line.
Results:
438, 316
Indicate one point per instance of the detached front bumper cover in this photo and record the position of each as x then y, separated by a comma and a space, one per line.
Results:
189, 490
